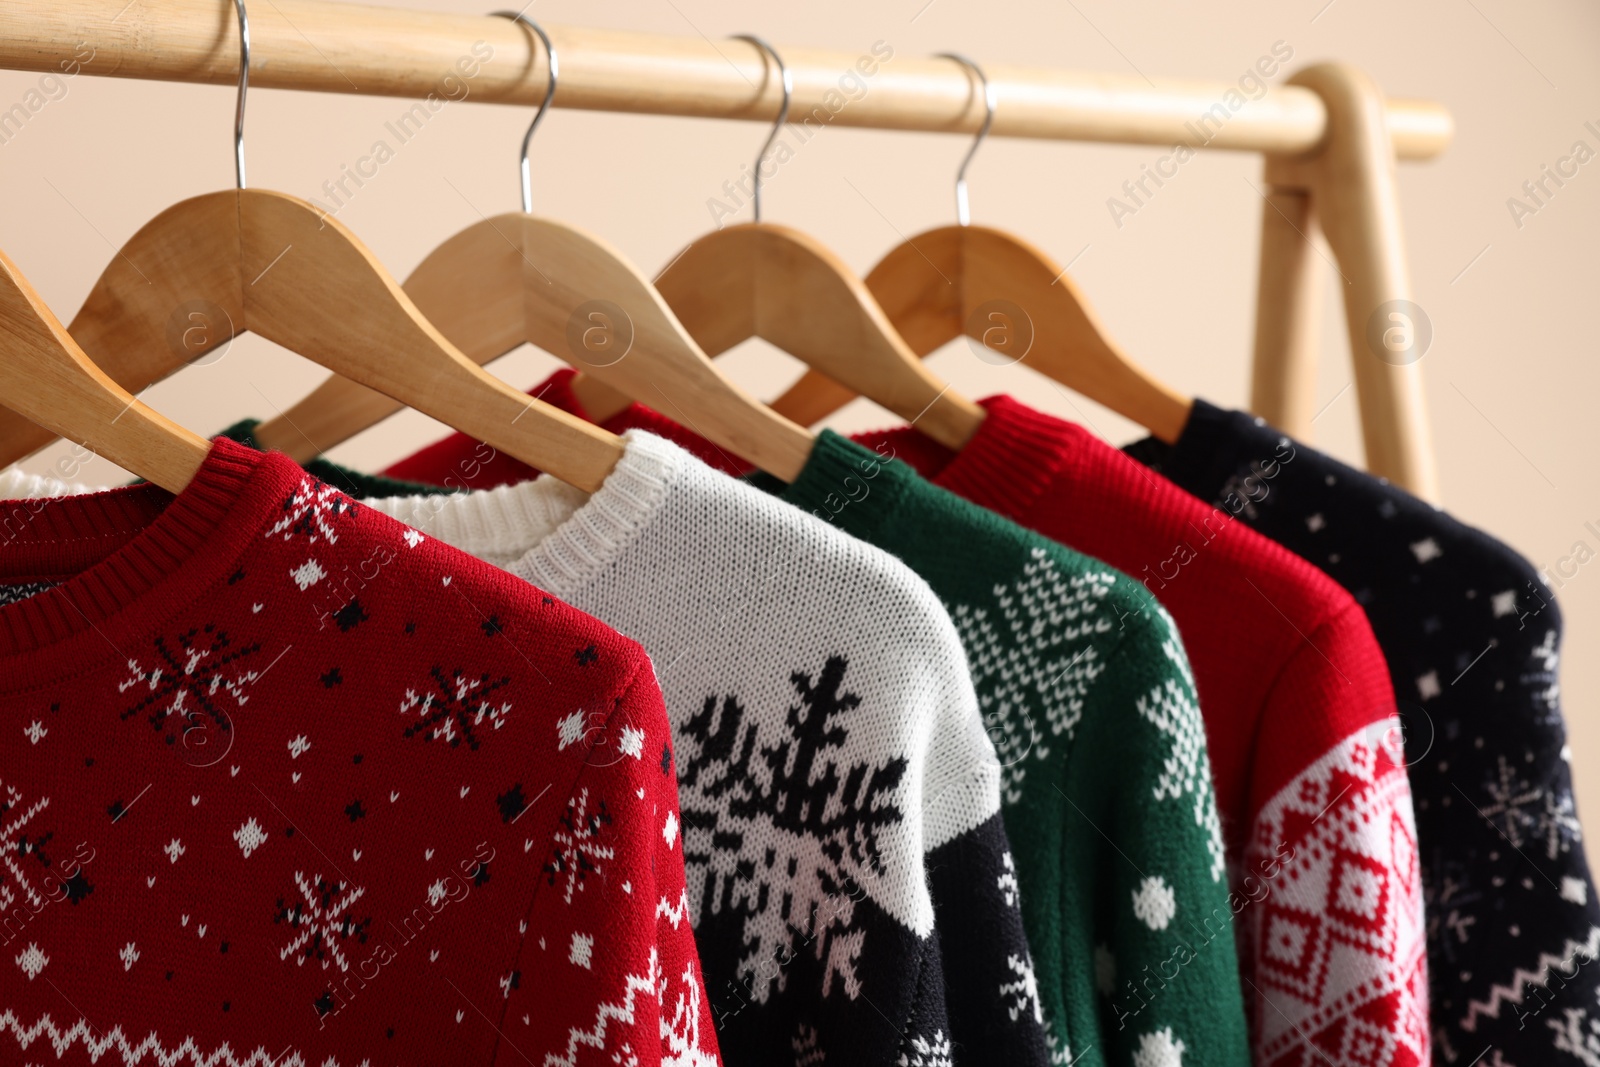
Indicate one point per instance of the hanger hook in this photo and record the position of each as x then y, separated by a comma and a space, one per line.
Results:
783, 112
244, 86
963, 213
544, 105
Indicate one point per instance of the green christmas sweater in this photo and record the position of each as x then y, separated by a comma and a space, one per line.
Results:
1106, 796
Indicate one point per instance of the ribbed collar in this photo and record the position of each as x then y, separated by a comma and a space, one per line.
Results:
552, 534
1016, 455
351, 482
846, 484
126, 559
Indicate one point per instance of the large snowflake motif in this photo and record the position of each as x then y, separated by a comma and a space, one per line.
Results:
454, 706
1033, 658
186, 675
1173, 709
1525, 812
321, 920
578, 851
311, 511
779, 832
18, 848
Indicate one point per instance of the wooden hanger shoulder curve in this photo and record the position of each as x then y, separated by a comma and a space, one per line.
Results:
774, 282
996, 288
47, 378
520, 277
299, 278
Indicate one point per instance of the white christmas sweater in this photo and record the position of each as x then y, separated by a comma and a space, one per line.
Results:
840, 797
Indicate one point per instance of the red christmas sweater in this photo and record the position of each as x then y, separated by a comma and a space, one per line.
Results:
285, 783
1301, 722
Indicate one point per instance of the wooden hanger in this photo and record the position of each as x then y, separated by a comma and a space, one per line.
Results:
45, 377
773, 282
1000, 290
276, 266
520, 278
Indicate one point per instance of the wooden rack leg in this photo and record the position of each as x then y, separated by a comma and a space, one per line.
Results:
1288, 310
1351, 179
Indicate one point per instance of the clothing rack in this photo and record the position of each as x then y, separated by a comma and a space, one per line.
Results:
1328, 136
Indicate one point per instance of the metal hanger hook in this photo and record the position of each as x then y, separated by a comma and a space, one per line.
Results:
544, 105
963, 213
244, 86
783, 112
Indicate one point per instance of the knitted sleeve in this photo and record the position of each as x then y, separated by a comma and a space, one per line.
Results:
1333, 930
1154, 977
609, 922
990, 989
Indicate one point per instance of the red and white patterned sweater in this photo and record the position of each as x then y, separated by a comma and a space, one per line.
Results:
285, 783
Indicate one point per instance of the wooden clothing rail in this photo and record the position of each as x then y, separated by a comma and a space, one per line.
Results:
1329, 137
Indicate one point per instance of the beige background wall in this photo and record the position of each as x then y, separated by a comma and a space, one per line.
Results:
1511, 378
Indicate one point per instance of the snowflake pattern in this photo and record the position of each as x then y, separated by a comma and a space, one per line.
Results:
578, 849
1007, 882
1526, 813
186, 677
454, 707
32, 960
1174, 709
1033, 659
922, 1051
250, 836
312, 511
681, 1032
781, 834
1155, 903
17, 848
320, 919
1159, 1049
1578, 1035
1018, 995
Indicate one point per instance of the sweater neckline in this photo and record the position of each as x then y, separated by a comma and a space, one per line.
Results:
1017, 455
558, 537
1203, 453
125, 559
351, 482
846, 484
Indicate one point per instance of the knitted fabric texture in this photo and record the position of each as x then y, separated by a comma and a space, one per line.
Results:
1107, 788
1300, 718
1301, 722
840, 798
1472, 635
283, 781
356, 484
